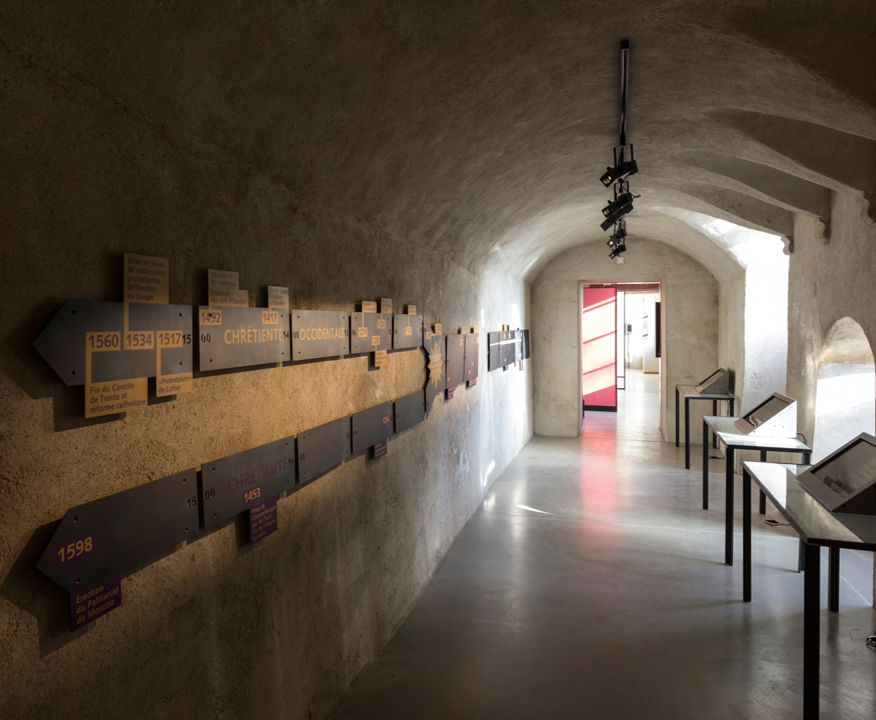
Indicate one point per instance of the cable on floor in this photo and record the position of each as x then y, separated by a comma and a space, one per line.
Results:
871, 642
775, 523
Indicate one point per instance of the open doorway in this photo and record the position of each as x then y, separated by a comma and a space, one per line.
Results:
620, 349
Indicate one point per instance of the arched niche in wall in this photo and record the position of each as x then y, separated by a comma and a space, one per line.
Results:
845, 400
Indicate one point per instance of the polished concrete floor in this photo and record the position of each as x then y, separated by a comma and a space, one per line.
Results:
590, 584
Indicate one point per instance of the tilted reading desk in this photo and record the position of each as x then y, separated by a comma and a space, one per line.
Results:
688, 392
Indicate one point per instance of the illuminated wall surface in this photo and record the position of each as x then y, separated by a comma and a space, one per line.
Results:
446, 156
598, 346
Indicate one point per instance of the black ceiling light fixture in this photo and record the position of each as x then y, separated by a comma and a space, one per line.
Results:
617, 241
624, 166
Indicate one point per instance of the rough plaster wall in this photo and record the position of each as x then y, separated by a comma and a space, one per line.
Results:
690, 309
827, 283
217, 628
731, 332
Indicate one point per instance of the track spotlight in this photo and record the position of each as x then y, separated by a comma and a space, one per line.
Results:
616, 209
617, 241
620, 172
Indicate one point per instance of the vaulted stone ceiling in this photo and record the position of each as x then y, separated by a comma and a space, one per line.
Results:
481, 128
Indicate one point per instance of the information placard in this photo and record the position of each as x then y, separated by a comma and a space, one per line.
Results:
371, 426
318, 334
262, 520
407, 331
234, 484
472, 349
370, 332
323, 447
112, 534
455, 360
88, 604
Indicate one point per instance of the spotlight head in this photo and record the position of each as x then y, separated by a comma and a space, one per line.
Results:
616, 209
616, 252
620, 172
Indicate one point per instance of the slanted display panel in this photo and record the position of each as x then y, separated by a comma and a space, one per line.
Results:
371, 426
410, 410
233, 484
370, 332
455, 360
509, 347
774, 417
232, 337
407, 331
323, 447
845, 481
318, 334
113, 534
472, 348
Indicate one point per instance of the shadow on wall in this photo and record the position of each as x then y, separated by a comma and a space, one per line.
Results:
845, 399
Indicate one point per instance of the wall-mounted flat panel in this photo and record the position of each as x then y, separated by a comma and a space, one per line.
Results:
62, 343
319, 334
232, 337
371, 426
472, 348
455, 360
526, 347
233, 484
323, 447
118, 532
509, 347
410, 410
407, 331
494, 351
370, 332
437, 380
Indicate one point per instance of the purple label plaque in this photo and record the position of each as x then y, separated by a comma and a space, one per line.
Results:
450, 392
262, 520
380, 449
86, 605
472, 382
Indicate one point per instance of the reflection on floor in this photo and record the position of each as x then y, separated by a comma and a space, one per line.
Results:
591, 584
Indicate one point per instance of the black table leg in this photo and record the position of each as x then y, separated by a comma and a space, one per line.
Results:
833, 579
728, 506
811, 639
762, 506
801, 554
714, 412
807, 458
731, 408
676, 416
746, 536
705, 465
687, 433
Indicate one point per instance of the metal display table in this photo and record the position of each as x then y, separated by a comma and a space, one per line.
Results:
817, 528
688, 392
734, 439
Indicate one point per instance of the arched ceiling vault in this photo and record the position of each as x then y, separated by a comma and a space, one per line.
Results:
481, 128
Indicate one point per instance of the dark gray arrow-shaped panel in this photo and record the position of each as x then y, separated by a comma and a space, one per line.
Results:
62, 343
118, 532
232, 484
243, 336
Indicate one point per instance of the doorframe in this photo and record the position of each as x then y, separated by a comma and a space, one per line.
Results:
628, 286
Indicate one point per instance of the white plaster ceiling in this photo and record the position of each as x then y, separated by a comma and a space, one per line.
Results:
481, 128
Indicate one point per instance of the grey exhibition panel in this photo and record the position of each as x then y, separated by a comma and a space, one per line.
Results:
407, 331
126, 529
323, 447
318, 334
229, 484
410, 410
472, 350
243, 339
62, 342
371, 426
370, 332
494, 355
455, 360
